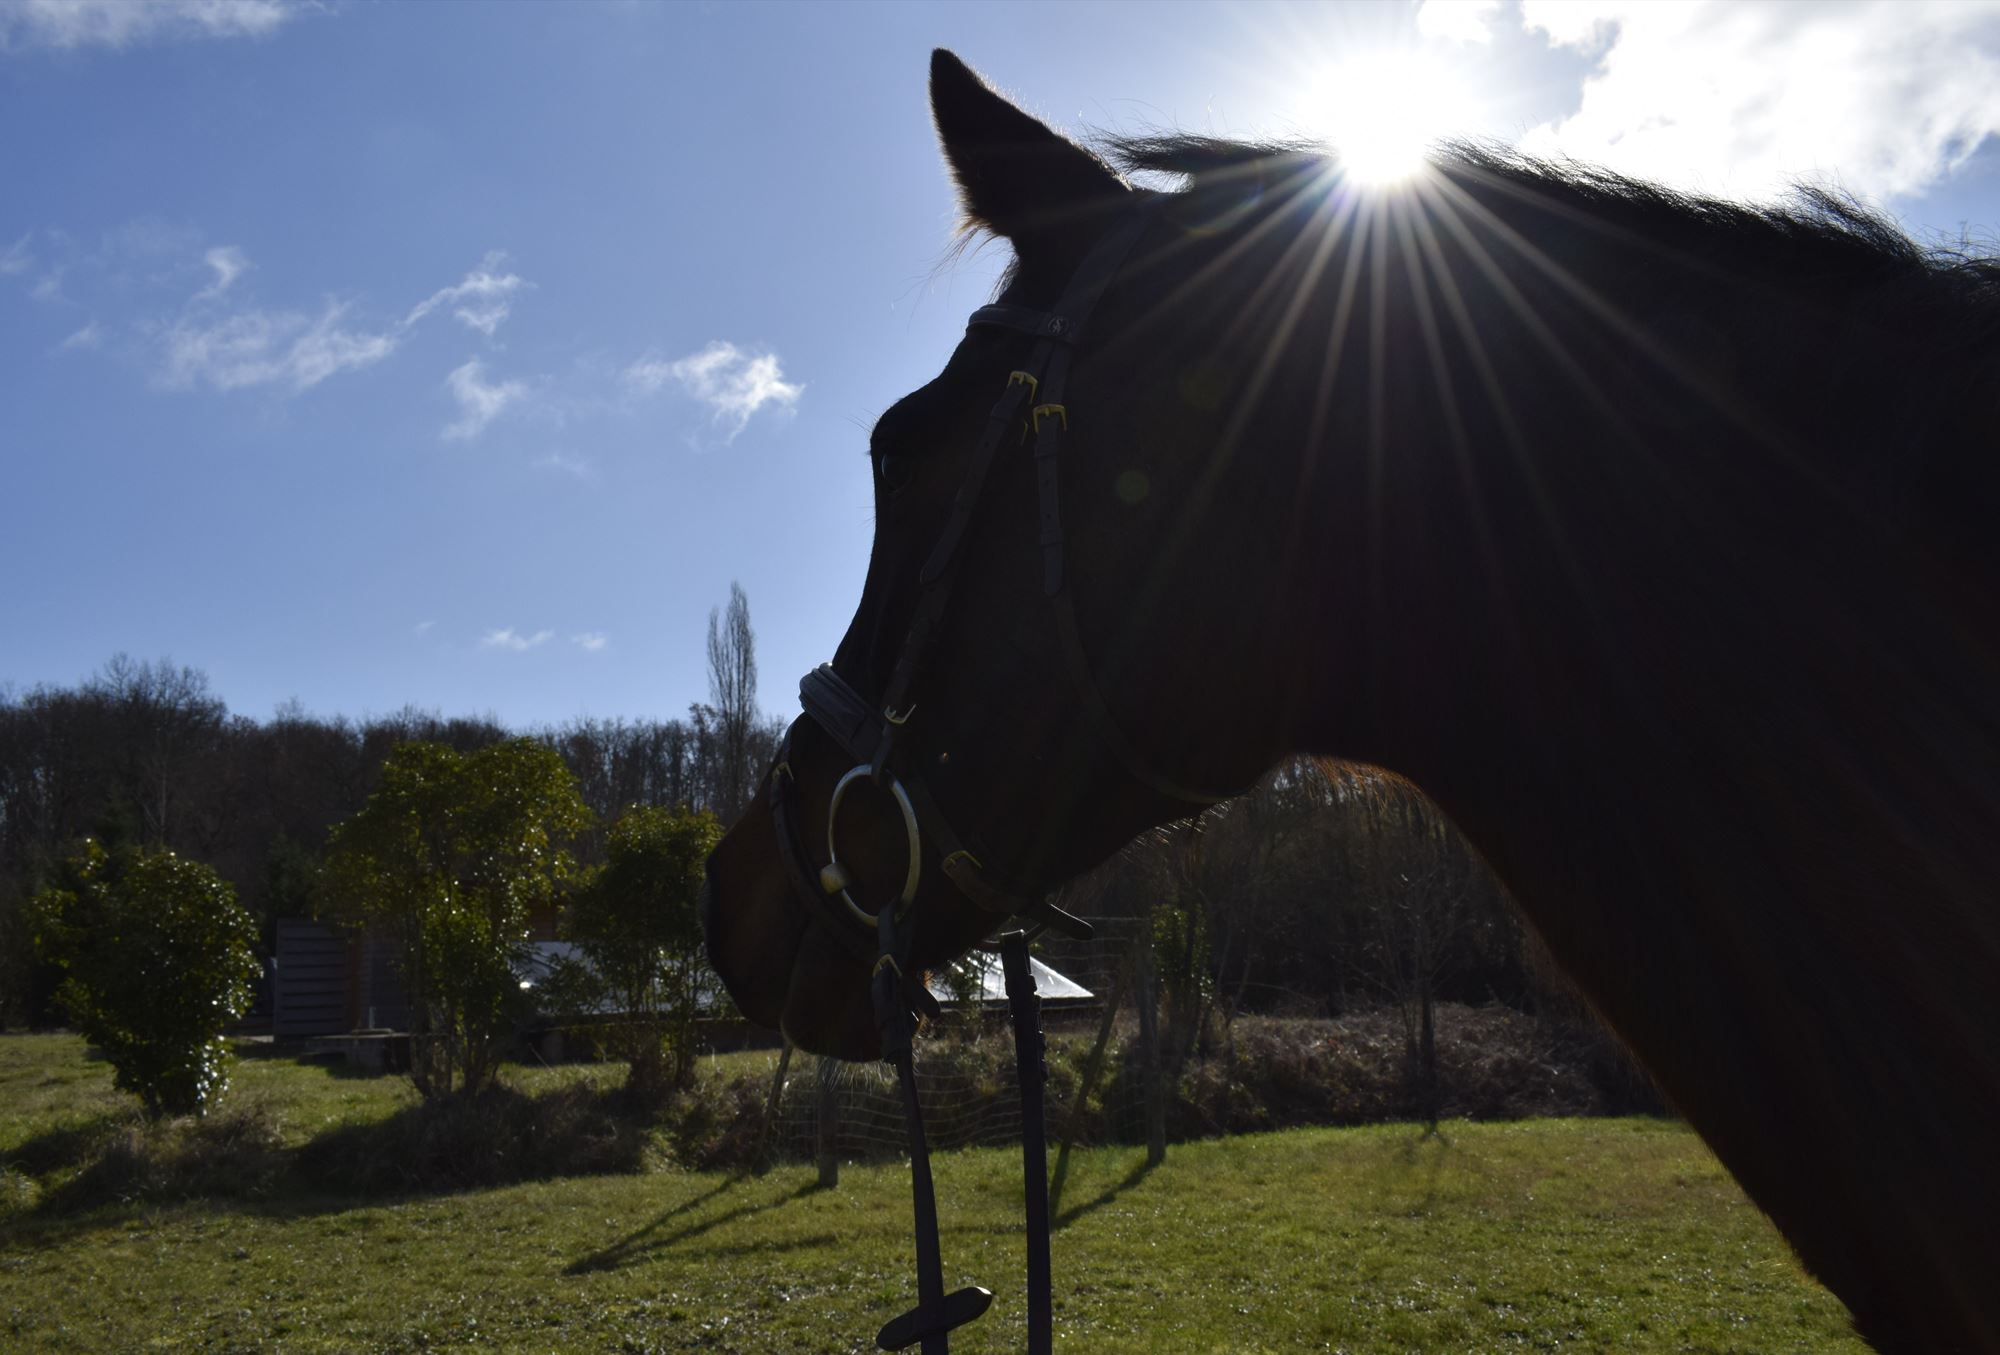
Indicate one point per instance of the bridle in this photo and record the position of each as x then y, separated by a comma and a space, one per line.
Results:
872, 733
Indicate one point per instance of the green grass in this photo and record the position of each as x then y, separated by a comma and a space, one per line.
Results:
757, 1063
1612, 1235
53, 1082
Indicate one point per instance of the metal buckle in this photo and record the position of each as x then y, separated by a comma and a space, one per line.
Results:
1054, 411
1024, 379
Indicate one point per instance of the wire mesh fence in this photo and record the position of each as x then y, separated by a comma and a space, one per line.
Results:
1224, 1073
968, 1082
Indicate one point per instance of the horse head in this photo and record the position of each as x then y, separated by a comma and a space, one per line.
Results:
1037, 551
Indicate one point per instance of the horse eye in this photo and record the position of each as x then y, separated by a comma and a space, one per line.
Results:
895, 471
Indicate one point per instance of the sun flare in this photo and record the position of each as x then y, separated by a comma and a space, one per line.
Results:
1382, 111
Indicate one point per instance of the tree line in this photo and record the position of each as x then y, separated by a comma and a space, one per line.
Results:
145, 754
1329, 887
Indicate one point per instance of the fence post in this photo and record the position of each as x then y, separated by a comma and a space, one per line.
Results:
1149, 1054
827, 1123
771, 1106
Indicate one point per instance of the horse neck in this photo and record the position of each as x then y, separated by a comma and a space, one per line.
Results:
1667, 650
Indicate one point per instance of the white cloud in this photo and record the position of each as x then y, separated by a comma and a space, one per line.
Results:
591, 640
1458, 20
732, 383
1745, 99
481, 302
258, 347
17, 259
422, 628
479, 403
119, 23
229, 263
49, 286
90, 336
510, 638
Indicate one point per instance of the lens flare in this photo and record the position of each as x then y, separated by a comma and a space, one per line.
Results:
1382, 111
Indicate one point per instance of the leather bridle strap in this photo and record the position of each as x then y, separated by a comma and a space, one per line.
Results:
1049, 422
1038, 383
1031, 1070
898, 996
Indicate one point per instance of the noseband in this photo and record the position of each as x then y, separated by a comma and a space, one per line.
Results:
871, 732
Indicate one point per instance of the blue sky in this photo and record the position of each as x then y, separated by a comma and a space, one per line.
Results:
372, 354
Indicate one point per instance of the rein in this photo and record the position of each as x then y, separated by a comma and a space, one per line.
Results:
870, 731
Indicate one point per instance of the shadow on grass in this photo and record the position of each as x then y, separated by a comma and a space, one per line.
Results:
62, 1149
330, 1062
1424, 1155
647, 1240
499, 1137
1139, 1172
233, 1153
92, 1174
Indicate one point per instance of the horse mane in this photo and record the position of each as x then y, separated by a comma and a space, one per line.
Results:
1821, 237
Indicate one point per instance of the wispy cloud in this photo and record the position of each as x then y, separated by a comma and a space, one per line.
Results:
49, 286
512, 639
482, 301
17, 258
591, 641
734, 384
569, 465
259, 347
229, 263
90, 336
422, 628
1746, 99
221, 340
145, 237
121, 23
479, 402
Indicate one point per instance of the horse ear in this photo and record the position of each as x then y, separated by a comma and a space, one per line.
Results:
1015, 176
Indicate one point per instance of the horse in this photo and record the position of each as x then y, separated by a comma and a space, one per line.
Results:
1650, 535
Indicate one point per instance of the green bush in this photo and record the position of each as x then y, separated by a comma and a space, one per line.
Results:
156, 958
638, 928
452, 855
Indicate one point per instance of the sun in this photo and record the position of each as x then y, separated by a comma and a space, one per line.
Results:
1383, 110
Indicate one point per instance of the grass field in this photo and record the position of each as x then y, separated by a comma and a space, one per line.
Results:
1612, 1235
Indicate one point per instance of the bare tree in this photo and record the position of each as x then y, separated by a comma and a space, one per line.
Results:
732, 694
1432, 910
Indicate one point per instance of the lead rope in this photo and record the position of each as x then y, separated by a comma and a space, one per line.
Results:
1032, 1071
898, 997
897, 1002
